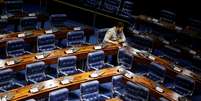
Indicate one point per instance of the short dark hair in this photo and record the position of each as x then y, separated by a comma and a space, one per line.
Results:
119, 24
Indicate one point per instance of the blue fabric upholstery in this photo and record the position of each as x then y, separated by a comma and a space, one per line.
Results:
75, 38
101, 34
35, 72
15, 47
184, 85
3, 24
125, 58
67, 65
57, 20
28, 23
95, 60
111, 6
135, 92
59, 95
156, 72
46, 43
127, 9
90, 91
118, 85
92, 3
7, 80
13, 6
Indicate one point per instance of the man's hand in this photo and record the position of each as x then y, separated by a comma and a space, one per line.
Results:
114, 42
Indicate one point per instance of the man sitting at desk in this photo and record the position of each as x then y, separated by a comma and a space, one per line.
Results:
115, 34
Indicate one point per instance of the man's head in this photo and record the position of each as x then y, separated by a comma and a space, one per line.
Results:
119, 27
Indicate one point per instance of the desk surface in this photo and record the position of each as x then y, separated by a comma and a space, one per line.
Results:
53, 56
114, 99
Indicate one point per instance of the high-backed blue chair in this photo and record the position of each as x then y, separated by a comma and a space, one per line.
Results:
46, 43
111, 6
59, 95
57, 20
95, 60
73, 38
7, 80
183, 85
66, 66
15, 48
117, 85
13, 6
92, 3
28, 23
156, 72
127, 9
125, 59
36, 72
100, 33
90, 92
135, 92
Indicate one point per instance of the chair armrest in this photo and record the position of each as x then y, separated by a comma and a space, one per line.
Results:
2, 90
63, 73
32, 81
103, 97
51, 77
28, 52
108, 65
18, 84
57, 47
80, 71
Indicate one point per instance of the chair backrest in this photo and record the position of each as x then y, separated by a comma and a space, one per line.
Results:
28, 23
136, 92
15, 47
92, 3
167, 16
46, 42
100, 33
13, 6
157, 71
75, 38
90, 91
125, 58
67, 64
3, 24
57, 20
35, 71
185, 84
95, 60
111, 6
6, 77
59, 95
117, 83
127, 9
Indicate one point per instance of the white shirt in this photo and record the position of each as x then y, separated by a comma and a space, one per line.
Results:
112, 35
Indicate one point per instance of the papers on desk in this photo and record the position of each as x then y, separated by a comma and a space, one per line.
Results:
7, 96
97, 47
152, 57
10, 62
192, 52
177, 69
34, 90
155, 20
40, 56
4, 17
178, 28
50, 84
21, 35
48, 31
77, 28
2, 63
32, 14
95, 74
66, 80
69, 51
159, 89
129, 74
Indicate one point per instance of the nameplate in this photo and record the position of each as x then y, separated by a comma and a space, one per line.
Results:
97, 47
159, 89
152, 57
77, 28
50, 85
178, 28
69, 51
155, 20
40, 56
21, 35
10, 62
94, 75
128, 75
49, 31
32, 14
177, 69
192, 52
65, 81
34, 90
4, 17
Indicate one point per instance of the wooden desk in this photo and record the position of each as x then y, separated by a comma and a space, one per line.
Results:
31, 39
114, 99
23, 93
53, 56
151, 85
141, 59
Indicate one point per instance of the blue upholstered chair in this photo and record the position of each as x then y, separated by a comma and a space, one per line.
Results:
111, 6
125, 59
57, 20
127, 9
59, 95
28, 23
46, 43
